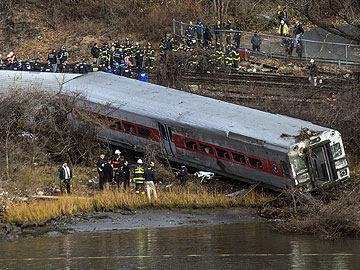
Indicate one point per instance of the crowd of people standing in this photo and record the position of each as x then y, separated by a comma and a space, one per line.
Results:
115, 172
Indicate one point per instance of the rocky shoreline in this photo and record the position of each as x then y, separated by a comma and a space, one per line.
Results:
129, 220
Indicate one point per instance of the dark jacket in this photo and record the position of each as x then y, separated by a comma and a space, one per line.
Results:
149, 175
47, 68
53, 58
256, 41
126, 72
217, 29
64, 68
63, 56
313, 70
190, 31
237, 36
108, 173
95, 52
298, 30
126, 169
62, 172
207, 35
100, 165
37, 66
183, 175
83, 68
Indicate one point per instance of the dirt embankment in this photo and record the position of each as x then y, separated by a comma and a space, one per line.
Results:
31, 28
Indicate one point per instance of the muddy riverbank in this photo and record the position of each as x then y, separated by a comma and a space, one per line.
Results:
129, 220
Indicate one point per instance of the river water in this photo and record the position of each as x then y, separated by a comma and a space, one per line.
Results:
235, 246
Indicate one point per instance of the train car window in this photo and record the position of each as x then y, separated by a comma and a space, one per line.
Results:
190, 144
285, 167
116, 125
238, 158
206, 149
144, 132
255, 162
163, 132
129, 128
170, 135
222, 153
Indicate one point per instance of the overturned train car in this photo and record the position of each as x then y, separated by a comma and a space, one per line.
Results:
228, 139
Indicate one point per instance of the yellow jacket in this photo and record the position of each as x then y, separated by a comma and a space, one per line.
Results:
285, 31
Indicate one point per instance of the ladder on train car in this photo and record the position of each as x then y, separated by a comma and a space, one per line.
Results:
244, 192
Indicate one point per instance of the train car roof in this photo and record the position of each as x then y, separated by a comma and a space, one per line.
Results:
160, 102
28, 80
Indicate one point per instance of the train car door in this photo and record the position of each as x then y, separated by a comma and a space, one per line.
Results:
321, 163
167, 139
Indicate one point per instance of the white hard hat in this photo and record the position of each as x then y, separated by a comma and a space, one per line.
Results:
282, 22
312, 60
117, 152
140, 161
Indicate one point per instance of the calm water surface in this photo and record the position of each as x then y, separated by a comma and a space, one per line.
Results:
237, 246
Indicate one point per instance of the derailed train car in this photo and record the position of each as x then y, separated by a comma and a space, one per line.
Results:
228, 139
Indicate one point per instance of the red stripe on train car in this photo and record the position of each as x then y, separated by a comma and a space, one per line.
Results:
266, 165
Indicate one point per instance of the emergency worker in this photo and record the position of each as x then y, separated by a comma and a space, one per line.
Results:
28, 66
128, 47
64, 68
138, 177
76, 68
331, 100
229, 30
228, 58
116, 44
207, 36
105, 54
139, 58
237, 39
217, 28
218, 56
95, 52
37, 66
170, 45
117, 69
52, 57
283, 31
126, 71
63, 55
19, 66
236, 58
313, 72
143, 76
48, 67
162, 45
194, 61
83, 67
149, 56
116, 162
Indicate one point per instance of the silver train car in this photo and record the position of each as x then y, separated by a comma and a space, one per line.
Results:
208, 134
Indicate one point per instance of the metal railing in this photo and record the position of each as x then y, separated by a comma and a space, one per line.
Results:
326, 52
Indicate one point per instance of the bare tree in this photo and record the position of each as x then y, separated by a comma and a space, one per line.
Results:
331, 15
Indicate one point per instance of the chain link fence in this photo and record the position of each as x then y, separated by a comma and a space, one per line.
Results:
272, 46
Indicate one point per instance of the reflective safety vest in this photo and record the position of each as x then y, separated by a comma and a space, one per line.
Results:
284, 29
331, 99
116, 163
139, 172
